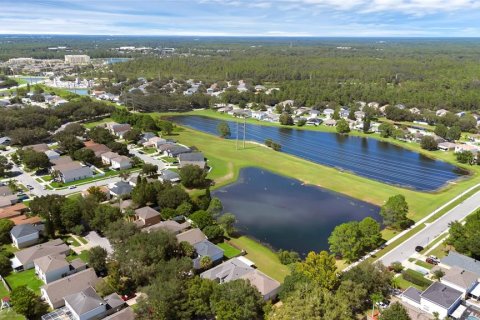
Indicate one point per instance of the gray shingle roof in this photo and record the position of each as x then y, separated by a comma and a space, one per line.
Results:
441, 295
461, 261
23, 230
191, 236
60, 288
460, 277
52, 247
125, 314
206, 248
121, 188
412, 294
169, 175
114, 300
84, 301
230, 270
51, 262
146, 213
193, 156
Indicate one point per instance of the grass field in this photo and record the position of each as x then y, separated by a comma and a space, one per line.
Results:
28, 278
265, 259
3, 291
83, 256
403, 284
9, 314
94, 124
229, 251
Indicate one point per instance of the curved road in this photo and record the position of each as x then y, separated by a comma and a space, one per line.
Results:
431, 231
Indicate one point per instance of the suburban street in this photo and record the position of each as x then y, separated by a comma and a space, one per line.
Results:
147, 159
431, 231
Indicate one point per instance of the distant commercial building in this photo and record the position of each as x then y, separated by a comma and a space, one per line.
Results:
77, 59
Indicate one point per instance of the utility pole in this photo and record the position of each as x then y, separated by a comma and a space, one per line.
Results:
244, 130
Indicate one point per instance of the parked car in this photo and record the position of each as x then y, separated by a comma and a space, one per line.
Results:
418, 248
72, 187
141, 152
431, 261
127, 297
29, 187
382, 304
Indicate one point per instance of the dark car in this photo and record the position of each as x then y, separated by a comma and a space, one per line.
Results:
418, 248
431, 261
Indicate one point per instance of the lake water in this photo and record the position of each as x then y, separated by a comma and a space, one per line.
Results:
81, 92
369, 158
116, 60
286, 214
32, 80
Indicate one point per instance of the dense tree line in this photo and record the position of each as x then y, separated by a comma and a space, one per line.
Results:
432, 78
31, 125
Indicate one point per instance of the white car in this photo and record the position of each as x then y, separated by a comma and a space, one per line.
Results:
72, 187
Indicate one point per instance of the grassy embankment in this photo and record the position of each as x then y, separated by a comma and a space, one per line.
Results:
227, 162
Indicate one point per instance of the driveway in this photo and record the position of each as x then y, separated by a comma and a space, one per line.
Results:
147, 159
432, 230
95, 240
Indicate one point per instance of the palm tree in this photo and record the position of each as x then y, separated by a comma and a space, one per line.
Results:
124, 175
376, 297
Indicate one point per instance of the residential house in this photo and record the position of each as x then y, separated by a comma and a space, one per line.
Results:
54, 292
441, 112
359, 115
193, 158
176, 150
259, 115
86, 305
314, 113
5, 191
466, 147
70, 170
52, 154
438, 297
120, 188
169, 225
205, 248
97, 148
241, 268
53, 267
146, 136
330, 123
455, 259
146, 216
120, 129
124, 314
23, 259
169, 176
25, 235
328, 113
191, 236
7, 200
41, 147
460, 279
155, 142
108, 156
446, 146
344, 112
13, 211
121, 163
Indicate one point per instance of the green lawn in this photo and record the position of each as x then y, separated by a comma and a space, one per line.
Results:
9, 314
3, 292
424, 264
403, 284
229, 251
28, 278
169, 159
149, 150
94, 124
70, 240
82, 239
83, 256
47, 177
265, 259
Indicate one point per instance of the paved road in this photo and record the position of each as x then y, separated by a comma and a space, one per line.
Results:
432, 230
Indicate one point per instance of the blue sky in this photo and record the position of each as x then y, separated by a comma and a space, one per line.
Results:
410, 18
